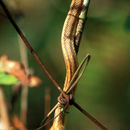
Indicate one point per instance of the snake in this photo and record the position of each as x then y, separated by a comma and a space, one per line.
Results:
71, 35
70, 39
67, 40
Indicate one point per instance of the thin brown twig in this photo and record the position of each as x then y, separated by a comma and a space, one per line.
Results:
73, 81
47, 104
72, 102
14, 97
24, 104
47, 121
89, 116
84, 112
37, 58
4, 116
47, 100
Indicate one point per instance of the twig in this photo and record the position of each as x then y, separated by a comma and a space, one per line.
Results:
24, 96
89, 116
15, 95
46, 121
77, 75
37, 58
48, 115
47, 104
4, 116
74, 81
47, 100
24, 101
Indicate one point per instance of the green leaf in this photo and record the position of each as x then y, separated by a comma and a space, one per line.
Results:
7, 79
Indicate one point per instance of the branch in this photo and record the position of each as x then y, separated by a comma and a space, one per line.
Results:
4, 116
37, 58
89, 116
47, 104
24, 96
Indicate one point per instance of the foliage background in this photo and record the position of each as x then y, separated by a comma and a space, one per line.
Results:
104, 90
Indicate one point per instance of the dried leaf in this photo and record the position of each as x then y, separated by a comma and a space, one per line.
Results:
17, 69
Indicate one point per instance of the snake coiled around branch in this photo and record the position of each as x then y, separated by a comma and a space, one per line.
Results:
70, 40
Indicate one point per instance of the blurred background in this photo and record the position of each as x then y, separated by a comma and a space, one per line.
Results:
104, 89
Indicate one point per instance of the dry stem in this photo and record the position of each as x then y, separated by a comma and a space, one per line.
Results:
4, 116
24, 97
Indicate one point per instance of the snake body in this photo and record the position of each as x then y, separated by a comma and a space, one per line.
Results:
70, 40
